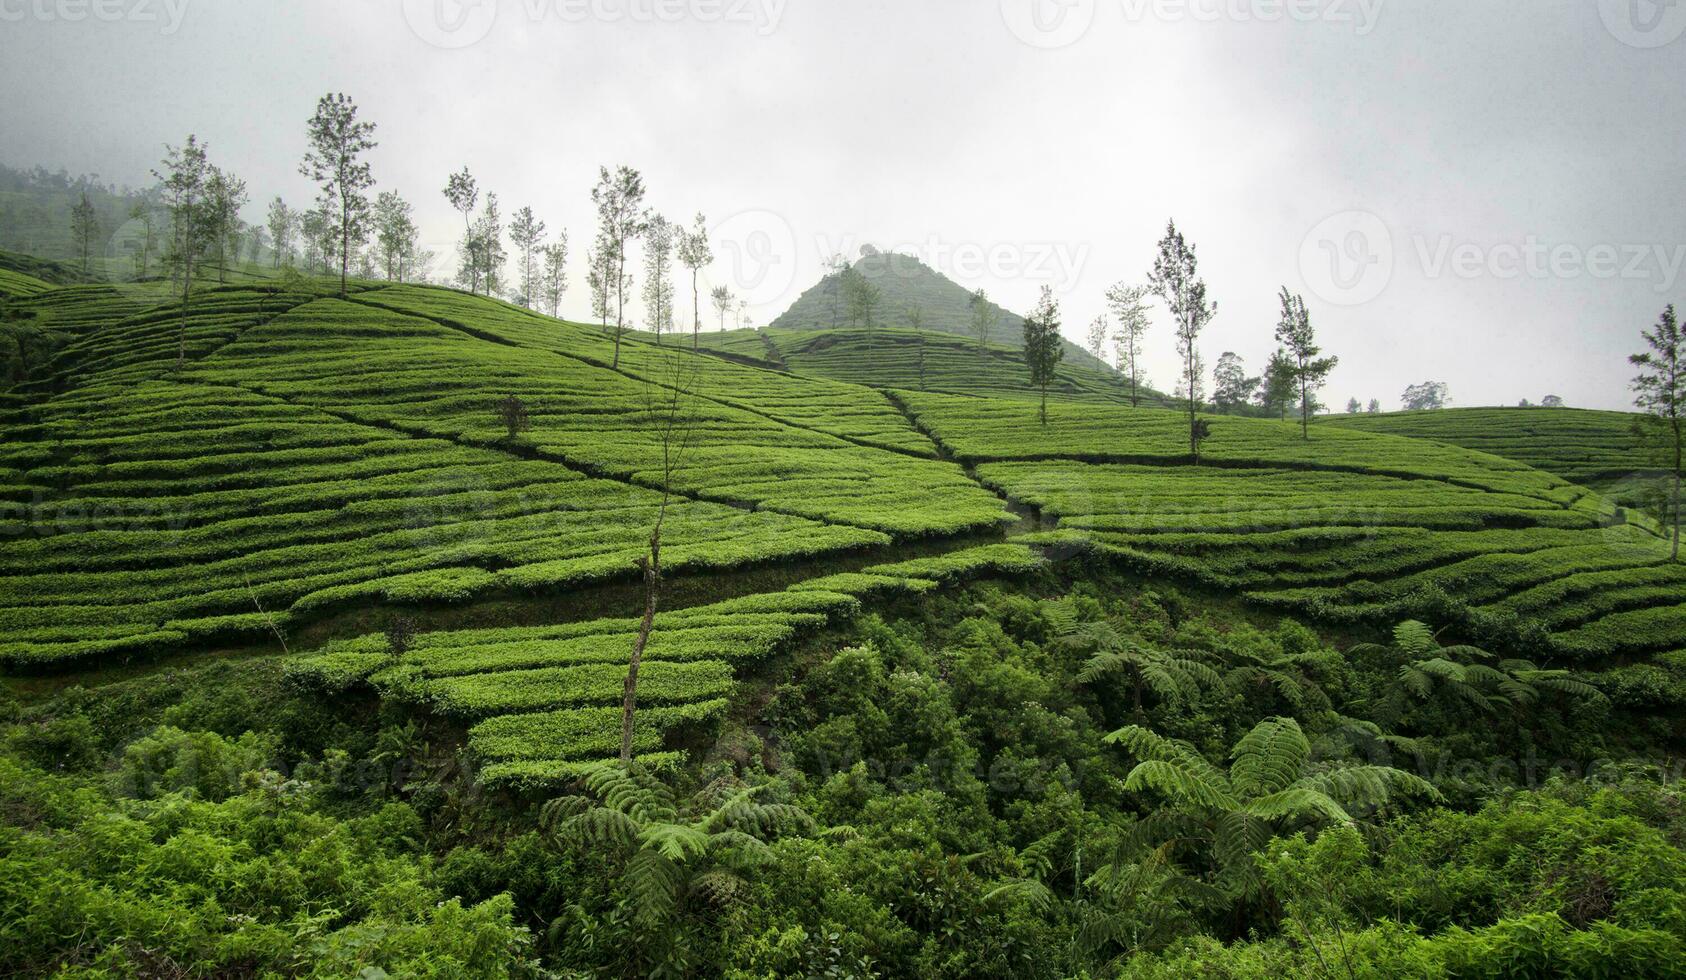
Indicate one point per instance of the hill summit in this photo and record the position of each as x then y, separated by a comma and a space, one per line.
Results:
907, 284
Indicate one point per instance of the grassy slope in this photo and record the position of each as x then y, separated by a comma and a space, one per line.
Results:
1593, 448
318, 453
890, 358
906, 284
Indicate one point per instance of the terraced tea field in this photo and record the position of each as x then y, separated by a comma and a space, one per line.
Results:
545, 701
1592, 448
891, 358
1349, 526
312, 455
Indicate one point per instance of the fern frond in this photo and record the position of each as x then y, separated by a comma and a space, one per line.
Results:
1369, 785
1563, 682
676, 842
1029, 890
653, 882
1176, 780
599, 827
1239, 835
1268, 758
1299, 802
1415, 638
1415, 682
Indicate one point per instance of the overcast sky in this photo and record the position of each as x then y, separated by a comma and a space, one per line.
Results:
1486, 192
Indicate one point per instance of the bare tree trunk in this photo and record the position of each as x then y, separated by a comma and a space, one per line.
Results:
620, 307
345, 242
696, 313
651, 567
186, 285
1674, 553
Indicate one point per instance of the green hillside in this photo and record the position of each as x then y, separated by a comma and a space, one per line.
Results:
347, 452
18, 284
294, 526
928, 361
906, 284
1348, 527
1592, 448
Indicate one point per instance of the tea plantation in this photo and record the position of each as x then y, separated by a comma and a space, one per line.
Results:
283, 527
1592, 448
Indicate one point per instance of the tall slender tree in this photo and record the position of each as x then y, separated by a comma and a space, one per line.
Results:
463, 193
1129, 308
183, 174
835, 266
335, 161
982, 316
258, 240
142, 214
722, 299
84, 227
526, 232
658, 273
1176, 280
488, 245
619, 197
862, 297
1097, 336
225, 195
553, 275
1660, 392
600, 269
283, 223
1311, 373
694, 253
669, 406
1043, 348
395, 234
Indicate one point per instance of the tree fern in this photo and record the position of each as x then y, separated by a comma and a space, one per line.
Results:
1268, 758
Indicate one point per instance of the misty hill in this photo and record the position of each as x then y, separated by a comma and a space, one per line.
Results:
908, 284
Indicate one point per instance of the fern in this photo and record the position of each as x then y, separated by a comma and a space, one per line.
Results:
1268, 758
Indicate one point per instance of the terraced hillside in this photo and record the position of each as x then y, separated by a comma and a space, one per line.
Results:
929, 361
19, 284
1348, 527
1592, 448
312, 455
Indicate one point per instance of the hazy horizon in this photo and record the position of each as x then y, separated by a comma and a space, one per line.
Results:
1483, 195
